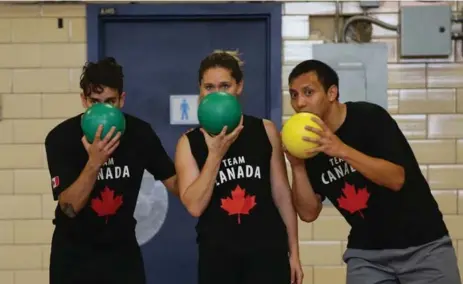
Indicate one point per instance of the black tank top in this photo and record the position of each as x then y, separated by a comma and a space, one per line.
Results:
241, 212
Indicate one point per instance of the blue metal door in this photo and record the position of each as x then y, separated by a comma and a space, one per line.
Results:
161, 56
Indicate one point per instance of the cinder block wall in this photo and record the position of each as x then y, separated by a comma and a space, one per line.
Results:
39, 72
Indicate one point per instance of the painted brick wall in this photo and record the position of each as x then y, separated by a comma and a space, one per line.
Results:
39, 71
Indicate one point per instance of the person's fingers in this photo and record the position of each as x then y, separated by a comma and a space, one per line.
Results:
113, 141
110, 134
223, 133
85, 142
99, 130
113, 147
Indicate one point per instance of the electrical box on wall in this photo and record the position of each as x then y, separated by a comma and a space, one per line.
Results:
370, 4
426, 31
362, 70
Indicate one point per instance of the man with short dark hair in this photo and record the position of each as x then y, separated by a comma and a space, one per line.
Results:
366, 168
97, 187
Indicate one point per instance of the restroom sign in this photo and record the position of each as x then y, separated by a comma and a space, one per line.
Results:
184, 109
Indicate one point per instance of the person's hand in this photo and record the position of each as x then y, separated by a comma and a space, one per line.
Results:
329, 143
218, 145
297, 275
100, 150
293, 161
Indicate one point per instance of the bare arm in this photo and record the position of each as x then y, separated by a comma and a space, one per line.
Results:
158, 162
195, 187
72, 193
308, 204
392, 152
379, 171
172, 185
281, 190
74, 198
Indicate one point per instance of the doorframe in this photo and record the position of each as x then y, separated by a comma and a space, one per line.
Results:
98, 14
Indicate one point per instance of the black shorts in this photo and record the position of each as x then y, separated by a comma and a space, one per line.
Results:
225, 266
80, 265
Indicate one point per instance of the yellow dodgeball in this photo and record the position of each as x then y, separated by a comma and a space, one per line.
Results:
293, 131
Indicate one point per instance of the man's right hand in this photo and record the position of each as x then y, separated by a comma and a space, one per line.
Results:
100, 150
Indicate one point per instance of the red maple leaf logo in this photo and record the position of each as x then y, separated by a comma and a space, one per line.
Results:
107, 205
239, 204
353, 200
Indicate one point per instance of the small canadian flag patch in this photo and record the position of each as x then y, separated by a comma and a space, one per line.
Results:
55, 182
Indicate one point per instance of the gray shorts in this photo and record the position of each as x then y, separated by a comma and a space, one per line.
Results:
434, 262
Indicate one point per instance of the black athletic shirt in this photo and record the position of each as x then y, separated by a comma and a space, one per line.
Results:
242, 185
108, 217
380, 218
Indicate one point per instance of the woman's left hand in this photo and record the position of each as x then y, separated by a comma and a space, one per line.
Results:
296, 270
